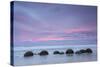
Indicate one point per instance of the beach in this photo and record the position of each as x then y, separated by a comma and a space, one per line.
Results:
19, 52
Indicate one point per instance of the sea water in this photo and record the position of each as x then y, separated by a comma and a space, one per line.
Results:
19, 52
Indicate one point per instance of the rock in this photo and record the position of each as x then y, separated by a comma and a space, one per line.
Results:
69, 51
28, 54
88, 50
78, 52
61, 53
57, 52
43, 53
83, 51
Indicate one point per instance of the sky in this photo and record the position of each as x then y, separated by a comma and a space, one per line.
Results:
54, 23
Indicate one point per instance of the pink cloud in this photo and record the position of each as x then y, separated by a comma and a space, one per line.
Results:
76, 30
29, 37
48, 38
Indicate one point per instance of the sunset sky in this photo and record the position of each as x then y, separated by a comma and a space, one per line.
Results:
42, 22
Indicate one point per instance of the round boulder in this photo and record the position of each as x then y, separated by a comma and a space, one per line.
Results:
43, 53
78, 52
88, 50
56, 52
83, 51
61, 53
69, 51
28, 54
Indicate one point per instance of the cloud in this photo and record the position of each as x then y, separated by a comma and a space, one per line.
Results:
44, 22
77, 30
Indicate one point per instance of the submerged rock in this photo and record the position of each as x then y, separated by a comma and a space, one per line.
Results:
43, 53
61, 53
78, 52
28, 54
57, 52
83, 51
88, 50
69, 51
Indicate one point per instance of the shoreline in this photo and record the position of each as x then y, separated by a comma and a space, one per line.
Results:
52, 47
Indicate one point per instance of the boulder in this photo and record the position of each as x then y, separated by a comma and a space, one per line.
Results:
43, 53
88, 50
83, 51
69, 51
78, 52
61, 53
28, 54
57, 52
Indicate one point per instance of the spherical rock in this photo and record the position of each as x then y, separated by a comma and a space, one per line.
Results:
69, 51
88, 50
28, 54
56, 52
43, 53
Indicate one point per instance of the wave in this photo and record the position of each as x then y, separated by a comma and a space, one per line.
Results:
53, 47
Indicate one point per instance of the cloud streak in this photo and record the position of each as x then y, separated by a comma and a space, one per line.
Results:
36, 22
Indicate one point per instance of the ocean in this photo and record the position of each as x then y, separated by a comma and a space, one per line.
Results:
19, 52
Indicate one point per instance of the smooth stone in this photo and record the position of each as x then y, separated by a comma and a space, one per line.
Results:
69, 51
28, 54
43, 53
